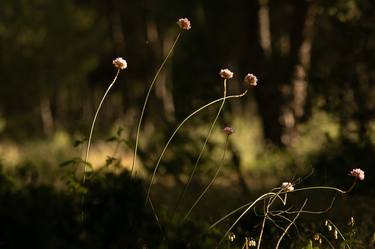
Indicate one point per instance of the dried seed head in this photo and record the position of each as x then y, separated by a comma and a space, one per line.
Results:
231, 237
252, 242
335, 234
120, 63
351, 222
184, 23
316, 236
251, 79
287, 186
228, 130
358, 173
226, 74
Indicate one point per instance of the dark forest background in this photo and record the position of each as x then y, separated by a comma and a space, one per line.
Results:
312, 111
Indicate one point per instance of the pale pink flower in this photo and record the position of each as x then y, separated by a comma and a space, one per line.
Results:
184, 23
358, 173
251, 79
226, 73
228, 130
120, 63
287, 186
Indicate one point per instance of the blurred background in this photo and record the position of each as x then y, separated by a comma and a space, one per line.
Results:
312, 111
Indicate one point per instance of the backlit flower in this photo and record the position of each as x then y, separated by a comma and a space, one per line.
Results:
228, 130
184, 23
120, 63
358, 173
226, 73
251, 79
287, 186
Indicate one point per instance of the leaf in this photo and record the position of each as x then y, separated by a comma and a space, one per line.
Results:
66, 163
78, 142
111, 139
76, 160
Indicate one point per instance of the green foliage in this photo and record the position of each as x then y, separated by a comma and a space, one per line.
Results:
310, 246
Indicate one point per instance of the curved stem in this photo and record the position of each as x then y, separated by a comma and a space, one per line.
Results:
261, 231
321, 187
93, 125
146, 100
290, 224
211, 182
266, 211
204, 145
176, 130
264, 196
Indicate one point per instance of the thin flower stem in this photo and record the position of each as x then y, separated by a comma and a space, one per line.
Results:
212, 181
204, 145
353, 185
176, 130
261, 231
233, 212
93, 125
330, 188
89, 143
270, 202
290, 224
264, 196
321, 187
146, 100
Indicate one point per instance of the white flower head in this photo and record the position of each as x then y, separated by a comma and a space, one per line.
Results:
358, 173
120, 63
287, 186
226, 74
184, 23
228, 130
251, 79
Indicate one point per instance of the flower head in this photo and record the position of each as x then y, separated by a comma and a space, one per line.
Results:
251, 79
228, 130
184, 23
226, 73
287, 186
120, 63
358, 173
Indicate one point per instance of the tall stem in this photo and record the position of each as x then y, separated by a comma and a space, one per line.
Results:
93, 125
204, 145
211, 182
177, 129
146, 100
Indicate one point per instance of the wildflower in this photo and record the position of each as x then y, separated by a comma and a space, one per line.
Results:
251, 79
226, 73
287, 186
358, 173
120, 63
228, 130
184, 23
